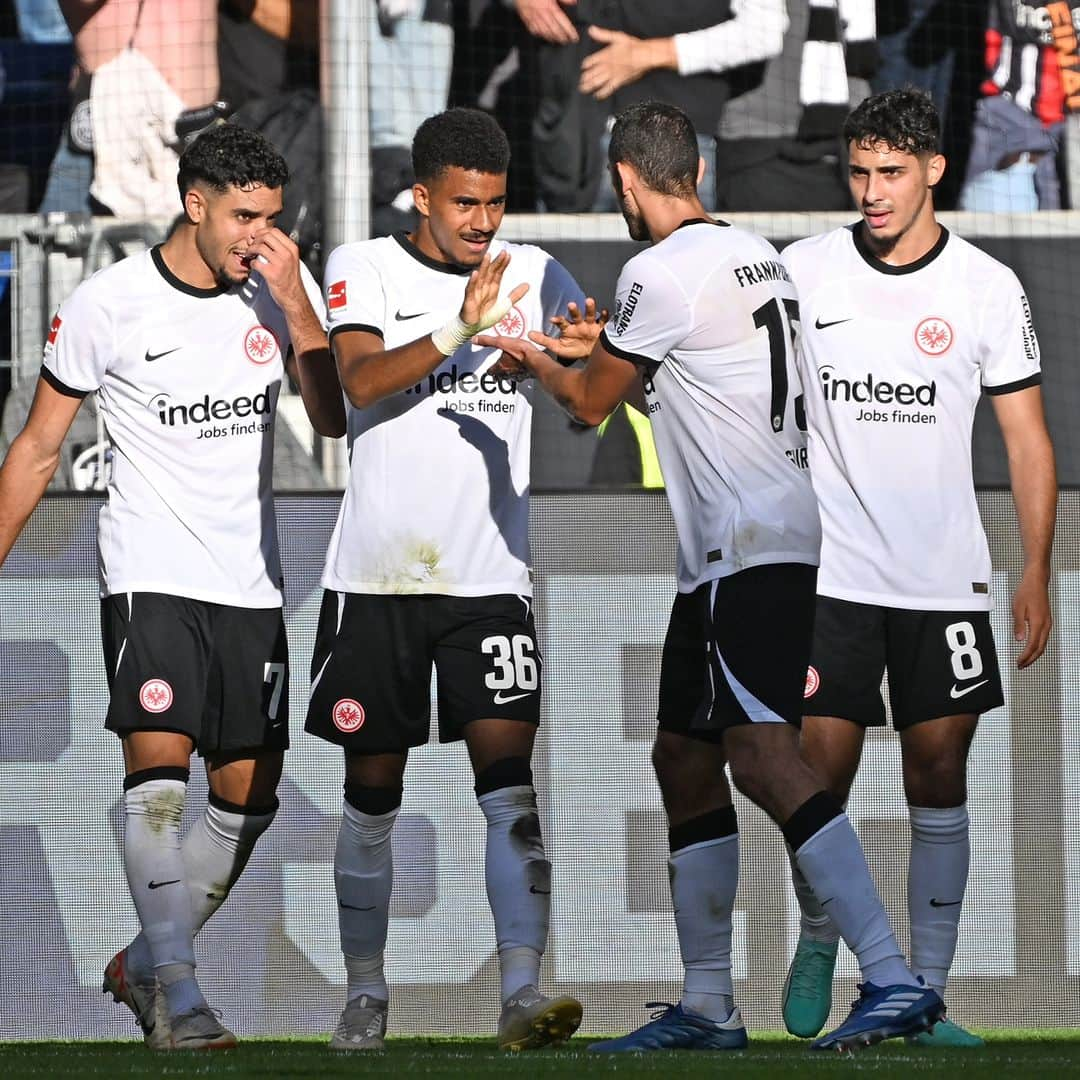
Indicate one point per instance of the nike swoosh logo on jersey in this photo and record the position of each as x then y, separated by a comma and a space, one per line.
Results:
957, 692
403, 318
158, 355
161, 884
935, 902
819, 325
502, 699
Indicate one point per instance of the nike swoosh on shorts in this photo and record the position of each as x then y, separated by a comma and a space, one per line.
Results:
957, 692
501, 699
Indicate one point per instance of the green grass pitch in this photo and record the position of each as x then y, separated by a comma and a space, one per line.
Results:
1035, 1054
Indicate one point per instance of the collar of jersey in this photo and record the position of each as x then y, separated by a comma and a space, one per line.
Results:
176, 283
875, 263
702, 221
426, 260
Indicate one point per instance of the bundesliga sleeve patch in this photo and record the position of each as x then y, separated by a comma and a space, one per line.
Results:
336, 297
54, 329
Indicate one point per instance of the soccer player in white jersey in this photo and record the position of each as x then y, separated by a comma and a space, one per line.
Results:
705, 319
429, 561
186, 346
904, 325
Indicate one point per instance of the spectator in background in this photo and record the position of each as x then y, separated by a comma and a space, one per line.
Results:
596, 56
139, 65
937, 46
782, 151
268, 53
42, 22
1020, 119
411, 45
267, 47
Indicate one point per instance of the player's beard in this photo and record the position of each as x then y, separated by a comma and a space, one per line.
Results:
635, 222
227, 280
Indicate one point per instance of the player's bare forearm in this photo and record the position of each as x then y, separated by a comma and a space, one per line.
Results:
588, 394
369, 373
1034, 489
1033, 480
24, 476
316, 376
32, 459
568, 386
314, 371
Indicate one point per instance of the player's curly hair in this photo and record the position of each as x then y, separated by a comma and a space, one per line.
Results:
229, 155
660, 142
905, 120
467, 138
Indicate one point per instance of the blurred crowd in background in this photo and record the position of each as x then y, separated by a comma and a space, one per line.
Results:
99, 95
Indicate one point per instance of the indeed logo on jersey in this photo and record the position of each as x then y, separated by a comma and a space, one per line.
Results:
453, 381
205, 411
871, 391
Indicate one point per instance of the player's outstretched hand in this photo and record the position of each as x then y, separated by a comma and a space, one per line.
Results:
578, 332
277, 260
482, 307
1031, 619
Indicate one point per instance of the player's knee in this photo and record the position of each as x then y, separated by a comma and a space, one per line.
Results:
935, 783
373, 800
690, 774
506, 772
673, 761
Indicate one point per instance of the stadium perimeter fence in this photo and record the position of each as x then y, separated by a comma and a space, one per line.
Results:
604, 583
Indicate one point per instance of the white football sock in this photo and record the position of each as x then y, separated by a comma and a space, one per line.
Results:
154, 867
518, 880
834, 866
704, 878
364, 878
215, 852
814, 923
937, 879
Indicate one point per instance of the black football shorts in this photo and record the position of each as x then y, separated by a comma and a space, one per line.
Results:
217, 673
736, 651
940, 663
371, 668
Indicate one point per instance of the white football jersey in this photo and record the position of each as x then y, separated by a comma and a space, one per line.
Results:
895, 359
437, 499
187, 382
711, 314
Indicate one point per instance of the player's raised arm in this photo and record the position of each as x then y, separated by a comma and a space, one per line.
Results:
590, 393
369, 372
1034, 489
32, 459
277, 259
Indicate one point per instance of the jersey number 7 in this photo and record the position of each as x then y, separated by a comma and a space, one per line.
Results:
771, 316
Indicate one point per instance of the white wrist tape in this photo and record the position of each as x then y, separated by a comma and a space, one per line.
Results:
449, 338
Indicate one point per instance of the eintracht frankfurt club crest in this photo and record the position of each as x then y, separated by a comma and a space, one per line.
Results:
348, 715
260, 345
512, 324
933, 336
156, 696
